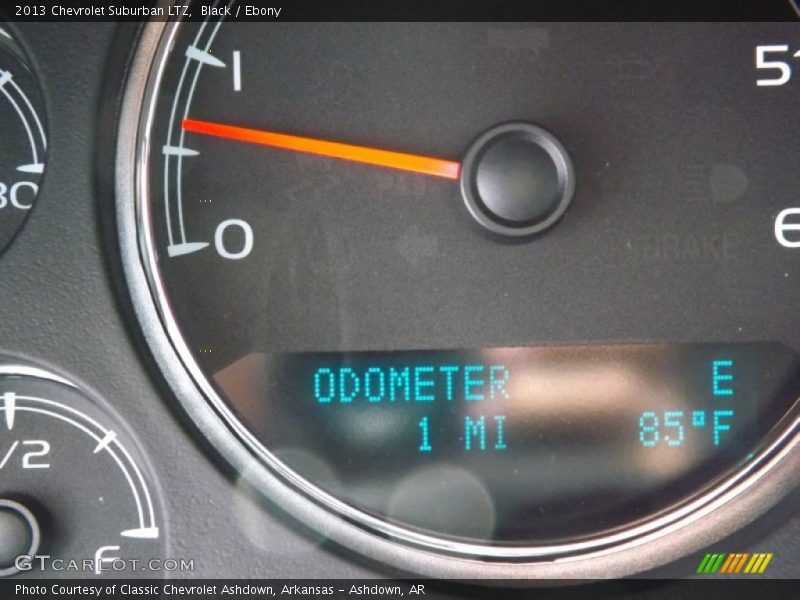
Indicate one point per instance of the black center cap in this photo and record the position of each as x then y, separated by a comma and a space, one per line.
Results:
517, 179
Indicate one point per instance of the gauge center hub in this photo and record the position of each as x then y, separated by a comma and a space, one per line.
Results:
517, 179
19, 534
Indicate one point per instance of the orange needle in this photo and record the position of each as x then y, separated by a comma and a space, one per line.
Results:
382, 158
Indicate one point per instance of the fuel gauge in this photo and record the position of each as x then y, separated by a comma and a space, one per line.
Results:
24, 141
77, 498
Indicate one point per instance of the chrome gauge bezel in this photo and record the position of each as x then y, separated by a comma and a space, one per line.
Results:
710, 515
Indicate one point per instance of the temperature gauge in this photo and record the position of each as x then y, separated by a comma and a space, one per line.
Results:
76, 497
24, 145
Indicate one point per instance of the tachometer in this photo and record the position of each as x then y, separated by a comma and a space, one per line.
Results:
449, 292
24, 143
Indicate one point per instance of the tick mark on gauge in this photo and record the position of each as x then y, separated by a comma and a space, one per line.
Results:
10, 403
142, 533
31, 168
178, 151
194, 53
185, 248
104, 443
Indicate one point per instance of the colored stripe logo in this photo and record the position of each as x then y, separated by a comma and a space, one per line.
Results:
736, 562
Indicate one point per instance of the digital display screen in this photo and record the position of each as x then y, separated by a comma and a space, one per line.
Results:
515, 444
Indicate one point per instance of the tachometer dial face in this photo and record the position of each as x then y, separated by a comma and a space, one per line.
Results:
499, 290
24, 141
